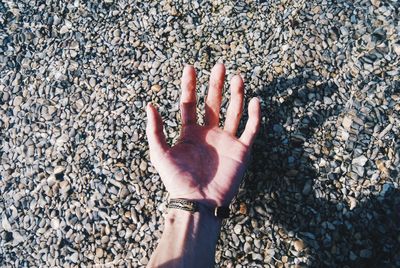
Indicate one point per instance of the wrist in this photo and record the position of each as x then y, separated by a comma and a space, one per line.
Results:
188, 240
199, 220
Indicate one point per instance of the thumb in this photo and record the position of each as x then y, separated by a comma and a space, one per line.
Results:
154, 132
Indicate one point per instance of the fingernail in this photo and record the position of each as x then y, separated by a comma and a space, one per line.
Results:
187, 69
148, 106
219, 64
237, 76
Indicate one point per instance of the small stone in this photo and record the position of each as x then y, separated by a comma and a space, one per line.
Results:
278, 69
92, 82
307, 187
64, 29
385, 131
352, 202
74, 257
247, 247
228, 253
269, 254
17, 101
375, 2
51, 180
117, 33
345, 135
396, 48
261, 211
278, 129
382, 167
285, 259
298, 245
256, 257
80, 104
365, 253
358, 170
64, 187
107, 71
360, 161
385, 188
5, 223
55, 223
119, 176
346, 123
17, 238
74, 45
327, 100
352, 256
105, 239
99, 253
144, 260
235, 240
243, 208
143, 166
51, 109
59, 169
237, 229
344, 31
155, 88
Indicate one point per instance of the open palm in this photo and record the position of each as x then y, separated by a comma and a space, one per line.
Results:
207, 163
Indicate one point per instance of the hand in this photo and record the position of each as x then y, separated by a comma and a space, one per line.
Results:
207, 163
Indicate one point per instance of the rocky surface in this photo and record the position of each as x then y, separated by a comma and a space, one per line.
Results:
76, 184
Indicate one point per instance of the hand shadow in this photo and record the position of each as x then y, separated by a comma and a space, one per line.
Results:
307, 202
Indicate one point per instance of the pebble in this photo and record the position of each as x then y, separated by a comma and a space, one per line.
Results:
361, 160
285, 259
59, 169
99, 253
347, 122
247, 247
17, 101
55, 223
92, 82
385, 131
298, 245
365, 253
155, 88
74, 257
352, 256
143, 166
237, 229
64, 29
6, 224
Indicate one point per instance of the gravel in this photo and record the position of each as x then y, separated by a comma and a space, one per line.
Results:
76, 184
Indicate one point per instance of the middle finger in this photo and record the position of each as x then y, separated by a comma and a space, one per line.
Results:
214, 96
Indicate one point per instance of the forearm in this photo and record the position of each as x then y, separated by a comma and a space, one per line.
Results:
188, 240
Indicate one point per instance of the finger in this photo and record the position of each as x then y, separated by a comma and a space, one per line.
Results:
154, 132
188, 97
214, 95
235, 105
253, 123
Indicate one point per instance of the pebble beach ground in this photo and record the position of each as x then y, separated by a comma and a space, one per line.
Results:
76, 184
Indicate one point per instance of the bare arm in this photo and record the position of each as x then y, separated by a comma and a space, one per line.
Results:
206, 165
188, 240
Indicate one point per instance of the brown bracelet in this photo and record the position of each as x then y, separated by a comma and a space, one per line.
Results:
193, 206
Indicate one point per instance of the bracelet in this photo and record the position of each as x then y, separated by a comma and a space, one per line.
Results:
193, 206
